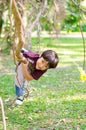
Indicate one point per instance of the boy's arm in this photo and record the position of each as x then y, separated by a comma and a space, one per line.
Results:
26, 73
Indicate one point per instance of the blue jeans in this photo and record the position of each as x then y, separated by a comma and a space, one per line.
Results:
20, 91
19, 81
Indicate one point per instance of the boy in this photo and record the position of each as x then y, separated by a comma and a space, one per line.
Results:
35, 67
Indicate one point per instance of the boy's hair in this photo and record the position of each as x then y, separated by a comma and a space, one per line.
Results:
52, 57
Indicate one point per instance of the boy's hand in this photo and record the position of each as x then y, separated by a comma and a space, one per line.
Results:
26, 72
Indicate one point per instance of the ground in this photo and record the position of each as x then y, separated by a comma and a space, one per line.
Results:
59, 102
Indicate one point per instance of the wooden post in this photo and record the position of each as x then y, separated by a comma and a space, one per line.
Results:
3, 114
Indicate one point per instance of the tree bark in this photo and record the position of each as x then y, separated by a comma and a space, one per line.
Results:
20, 31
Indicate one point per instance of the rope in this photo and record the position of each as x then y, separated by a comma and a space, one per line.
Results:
3, 114
83, 39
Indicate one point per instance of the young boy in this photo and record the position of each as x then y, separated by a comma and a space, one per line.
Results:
35, 67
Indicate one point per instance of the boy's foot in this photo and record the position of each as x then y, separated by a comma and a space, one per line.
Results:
19, 100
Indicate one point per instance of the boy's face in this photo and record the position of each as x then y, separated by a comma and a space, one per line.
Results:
42, 64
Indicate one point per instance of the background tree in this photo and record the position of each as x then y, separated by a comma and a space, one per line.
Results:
75, 15
36, 16
1, 15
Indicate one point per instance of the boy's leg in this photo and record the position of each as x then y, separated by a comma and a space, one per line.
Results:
19, 84
19, 91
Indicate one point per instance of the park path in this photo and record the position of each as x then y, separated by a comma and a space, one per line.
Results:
60, 35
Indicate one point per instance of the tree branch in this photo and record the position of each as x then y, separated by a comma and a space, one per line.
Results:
38, 16
20, 31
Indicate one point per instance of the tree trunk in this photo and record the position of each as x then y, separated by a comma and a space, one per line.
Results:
1, 15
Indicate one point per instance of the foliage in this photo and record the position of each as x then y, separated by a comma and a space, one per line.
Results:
75, 16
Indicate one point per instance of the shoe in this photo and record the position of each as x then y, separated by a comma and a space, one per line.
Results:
19, 100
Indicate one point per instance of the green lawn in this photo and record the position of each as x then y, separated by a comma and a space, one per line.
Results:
59, 99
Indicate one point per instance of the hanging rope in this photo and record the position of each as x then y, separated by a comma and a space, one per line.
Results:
83, 39
3, 114
82, 71
83, 48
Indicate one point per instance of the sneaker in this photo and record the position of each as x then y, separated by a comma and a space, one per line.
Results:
19, 100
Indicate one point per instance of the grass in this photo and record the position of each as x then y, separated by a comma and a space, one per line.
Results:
59, 99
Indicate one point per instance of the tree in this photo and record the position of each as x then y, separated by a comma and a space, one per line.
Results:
75, 14
1, 15
44, 14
